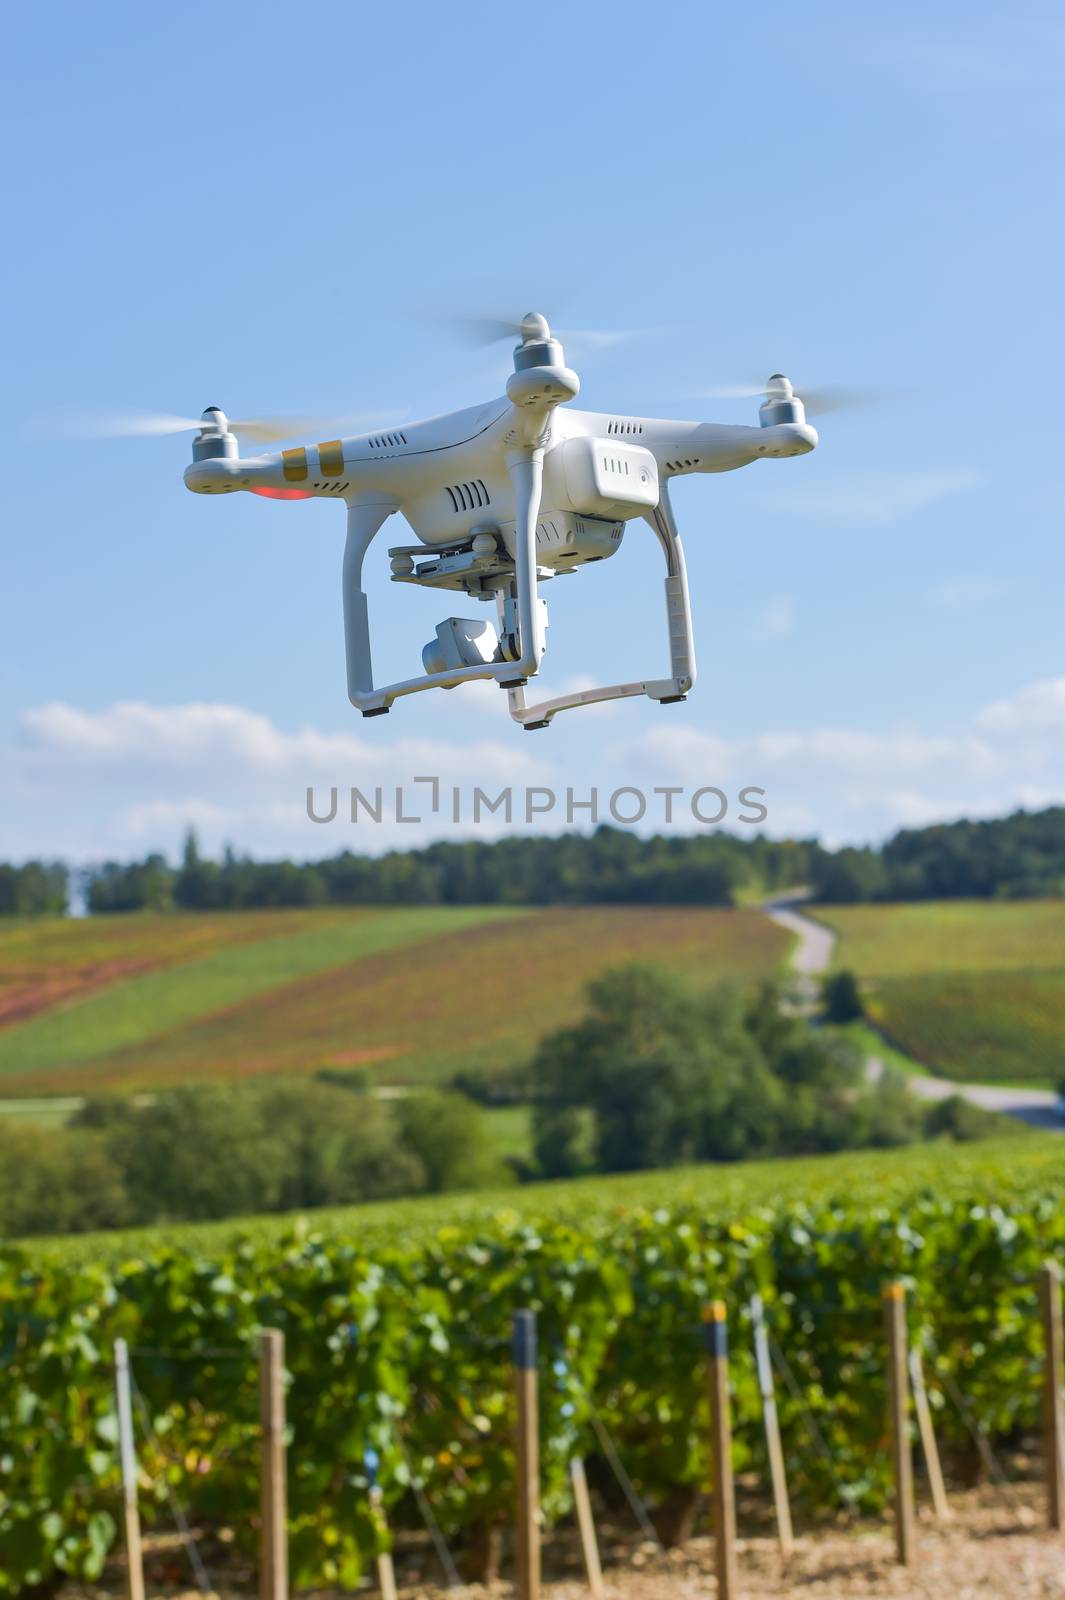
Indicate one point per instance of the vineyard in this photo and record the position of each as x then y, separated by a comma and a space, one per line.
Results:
133, 1003
397, 1347
974, 990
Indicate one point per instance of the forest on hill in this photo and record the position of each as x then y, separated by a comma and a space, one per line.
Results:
1018, 856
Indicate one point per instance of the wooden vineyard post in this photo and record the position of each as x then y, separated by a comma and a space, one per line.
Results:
131, 1522
715, 1337
929, 1448
586, 1525
273, 1538
523, 1349
1053, 1417
778, 1476
386, 1572
898, 1395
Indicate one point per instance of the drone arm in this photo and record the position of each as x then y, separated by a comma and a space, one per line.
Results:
682, 447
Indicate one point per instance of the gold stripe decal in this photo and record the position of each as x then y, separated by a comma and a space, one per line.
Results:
294, 464
331, 459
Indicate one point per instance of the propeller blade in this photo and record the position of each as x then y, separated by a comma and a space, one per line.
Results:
479, 332
134, 425
262, 430
266, 430
817, 401
743, 391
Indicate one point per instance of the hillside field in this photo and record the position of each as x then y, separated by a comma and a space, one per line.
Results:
136, 1002
973, 989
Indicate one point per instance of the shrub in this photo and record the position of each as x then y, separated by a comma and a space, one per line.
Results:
446, 1134
58, 1181
841, 998
957, 1118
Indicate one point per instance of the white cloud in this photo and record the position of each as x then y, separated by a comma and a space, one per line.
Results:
1040, 707
132, 777
220, 740
857, 783
875, 497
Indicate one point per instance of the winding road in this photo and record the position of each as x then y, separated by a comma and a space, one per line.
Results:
812, 957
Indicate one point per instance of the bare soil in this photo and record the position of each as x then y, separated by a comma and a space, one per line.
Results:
990, 1550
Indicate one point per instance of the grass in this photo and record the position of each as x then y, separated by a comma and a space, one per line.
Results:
1013, 1164
510, 1130
872, 1043
974, 990
415, 993
52, 1111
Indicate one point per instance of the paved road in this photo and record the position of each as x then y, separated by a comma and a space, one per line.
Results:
812, 956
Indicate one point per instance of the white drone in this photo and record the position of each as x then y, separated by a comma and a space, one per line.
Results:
502, 497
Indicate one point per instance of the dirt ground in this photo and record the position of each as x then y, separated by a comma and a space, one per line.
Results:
990, 1550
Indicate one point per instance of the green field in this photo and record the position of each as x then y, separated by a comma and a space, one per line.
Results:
973, 989
414, 993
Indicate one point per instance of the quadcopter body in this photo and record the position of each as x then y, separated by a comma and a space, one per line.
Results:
502, 498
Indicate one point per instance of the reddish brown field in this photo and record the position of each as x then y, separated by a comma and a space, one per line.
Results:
44, 963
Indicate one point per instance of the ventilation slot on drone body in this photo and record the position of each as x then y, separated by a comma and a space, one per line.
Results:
680, 465
331, 488
386, 441
617, 426
468, 496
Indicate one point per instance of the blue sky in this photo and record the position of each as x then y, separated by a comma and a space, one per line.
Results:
267, 210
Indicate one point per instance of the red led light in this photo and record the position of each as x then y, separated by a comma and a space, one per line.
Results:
283, 494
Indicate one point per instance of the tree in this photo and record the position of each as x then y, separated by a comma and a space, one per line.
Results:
448, 1136
957, 1118
58, 1181
841, 997
335, 1147
669, 1075
37, 888
199, 1152
559, 1140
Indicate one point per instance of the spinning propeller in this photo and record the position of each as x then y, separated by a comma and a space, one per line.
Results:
480, 331
818, 401
264, 430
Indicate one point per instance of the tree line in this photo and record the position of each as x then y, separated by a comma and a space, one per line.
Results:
1016, 856
34, 889
609, 865
207, 1151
